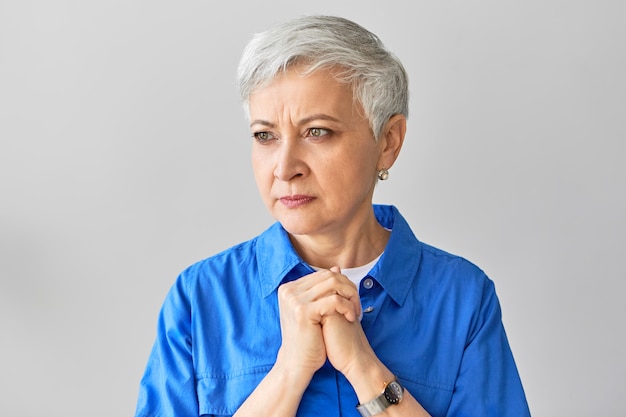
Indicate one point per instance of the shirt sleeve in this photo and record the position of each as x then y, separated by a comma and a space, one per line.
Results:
168, 385
488, 383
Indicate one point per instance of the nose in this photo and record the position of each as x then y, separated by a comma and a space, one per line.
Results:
289, 160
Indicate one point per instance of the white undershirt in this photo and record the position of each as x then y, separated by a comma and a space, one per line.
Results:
357, 273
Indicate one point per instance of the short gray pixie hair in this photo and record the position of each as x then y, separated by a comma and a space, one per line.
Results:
378, 79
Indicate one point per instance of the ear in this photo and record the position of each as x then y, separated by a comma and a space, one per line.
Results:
391, 140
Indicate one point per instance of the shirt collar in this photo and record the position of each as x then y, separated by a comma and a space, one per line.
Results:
278, 261
397, 267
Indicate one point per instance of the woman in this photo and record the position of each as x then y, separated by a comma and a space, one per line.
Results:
337, 309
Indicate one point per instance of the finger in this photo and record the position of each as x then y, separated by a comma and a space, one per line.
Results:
314, 278
304, 311
322, 283
316, 286
329, 291
336, 305
353, 293
356, 299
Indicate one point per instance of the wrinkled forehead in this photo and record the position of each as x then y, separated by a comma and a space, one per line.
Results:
300, 73
298, 90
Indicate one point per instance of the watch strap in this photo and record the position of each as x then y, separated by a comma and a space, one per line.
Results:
378, 404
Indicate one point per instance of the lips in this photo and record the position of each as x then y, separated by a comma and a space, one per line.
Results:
295, 201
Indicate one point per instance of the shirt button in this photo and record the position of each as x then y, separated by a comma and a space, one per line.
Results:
368, 283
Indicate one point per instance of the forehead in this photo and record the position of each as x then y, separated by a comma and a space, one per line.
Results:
298, 92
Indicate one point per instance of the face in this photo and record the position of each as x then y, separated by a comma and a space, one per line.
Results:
314, 156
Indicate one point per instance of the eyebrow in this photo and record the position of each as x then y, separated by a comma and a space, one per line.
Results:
308, 119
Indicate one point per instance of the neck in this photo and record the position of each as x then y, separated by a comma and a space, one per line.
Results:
347, 249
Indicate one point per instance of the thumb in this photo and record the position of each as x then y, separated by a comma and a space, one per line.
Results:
357, 302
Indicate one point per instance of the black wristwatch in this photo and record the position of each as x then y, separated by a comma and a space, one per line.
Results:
392, 394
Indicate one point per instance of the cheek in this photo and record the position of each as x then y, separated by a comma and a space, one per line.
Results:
360, 165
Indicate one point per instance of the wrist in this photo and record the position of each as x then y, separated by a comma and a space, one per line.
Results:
392, 394
297, 377
368, 377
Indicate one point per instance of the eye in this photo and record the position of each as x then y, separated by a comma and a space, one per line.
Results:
318, 132
263, 136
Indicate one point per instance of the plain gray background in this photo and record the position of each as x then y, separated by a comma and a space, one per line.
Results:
125, 157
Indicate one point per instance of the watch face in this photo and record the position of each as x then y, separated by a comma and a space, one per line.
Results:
393, 392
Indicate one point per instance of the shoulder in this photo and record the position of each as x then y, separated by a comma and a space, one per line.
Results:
411, 254
243, 251
439, 260
457, 290
198, 280
453, 275
239, 257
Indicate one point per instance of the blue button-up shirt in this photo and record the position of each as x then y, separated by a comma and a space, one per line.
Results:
431, 317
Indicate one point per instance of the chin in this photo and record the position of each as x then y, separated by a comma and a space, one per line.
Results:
296, 228
296, 224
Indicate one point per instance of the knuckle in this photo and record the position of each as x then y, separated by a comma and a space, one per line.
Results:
285, 292
299, 310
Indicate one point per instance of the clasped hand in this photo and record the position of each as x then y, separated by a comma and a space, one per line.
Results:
319, 318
